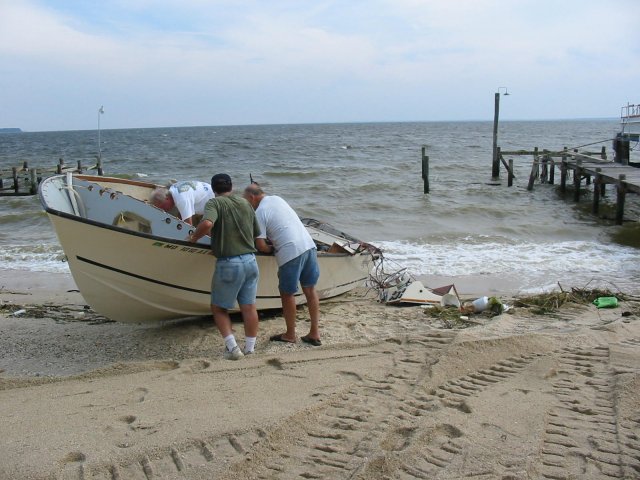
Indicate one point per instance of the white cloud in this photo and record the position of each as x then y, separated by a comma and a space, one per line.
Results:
384, 57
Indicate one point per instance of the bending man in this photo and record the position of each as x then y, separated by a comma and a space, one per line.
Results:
189, 197
296, 255
233, 227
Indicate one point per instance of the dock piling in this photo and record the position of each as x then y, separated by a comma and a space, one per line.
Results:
563, 172
425, 169
16, 183
99, 165
597, 182
33, 176
622, 190
535, 167
577, 178
511, 176
25, 179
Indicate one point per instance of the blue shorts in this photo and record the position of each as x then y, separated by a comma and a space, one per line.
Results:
303, 269
235, 279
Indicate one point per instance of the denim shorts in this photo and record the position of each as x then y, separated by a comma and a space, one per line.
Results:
303, 269
235, 280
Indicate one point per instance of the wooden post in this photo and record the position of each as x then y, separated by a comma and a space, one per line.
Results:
587, 177
510, 178
425, 169
603, 153
506, 165
577, 178
99, 165
622, 190
60, 166
534, 169
16, 184
495, 165
596, 191
34, 181
25, 166
79, 166
563, 172
552, 171
532, 175
544, 173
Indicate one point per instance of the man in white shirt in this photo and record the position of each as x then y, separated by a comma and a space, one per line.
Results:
189, 197
296, 255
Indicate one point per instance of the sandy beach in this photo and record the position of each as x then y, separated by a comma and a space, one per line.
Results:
393, 393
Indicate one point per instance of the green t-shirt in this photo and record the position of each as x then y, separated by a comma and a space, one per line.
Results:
235, 226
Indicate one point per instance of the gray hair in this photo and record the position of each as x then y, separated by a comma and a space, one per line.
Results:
158, 195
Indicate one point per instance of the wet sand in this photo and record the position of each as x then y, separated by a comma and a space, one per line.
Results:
391, 393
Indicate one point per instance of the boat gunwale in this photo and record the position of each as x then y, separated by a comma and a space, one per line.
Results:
95, 223
52, 211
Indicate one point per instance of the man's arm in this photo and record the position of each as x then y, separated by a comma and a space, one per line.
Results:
203, 228
263, 246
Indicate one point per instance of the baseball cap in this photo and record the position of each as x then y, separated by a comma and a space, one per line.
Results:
220, 179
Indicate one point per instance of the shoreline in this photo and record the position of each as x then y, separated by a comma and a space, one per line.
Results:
37, 287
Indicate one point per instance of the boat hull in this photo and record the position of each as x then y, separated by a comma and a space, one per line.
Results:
129, 276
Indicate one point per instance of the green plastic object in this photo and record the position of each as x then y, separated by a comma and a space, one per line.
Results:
606, 302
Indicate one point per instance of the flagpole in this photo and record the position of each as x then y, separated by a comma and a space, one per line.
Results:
100, 112
99, 165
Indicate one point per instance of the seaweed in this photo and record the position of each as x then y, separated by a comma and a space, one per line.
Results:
550, 304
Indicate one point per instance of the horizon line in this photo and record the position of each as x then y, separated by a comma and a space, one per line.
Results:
318, 123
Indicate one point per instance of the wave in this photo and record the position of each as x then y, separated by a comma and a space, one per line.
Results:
38, 258
482, 256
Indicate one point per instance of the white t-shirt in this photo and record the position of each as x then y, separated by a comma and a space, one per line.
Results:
282, 226
190, 197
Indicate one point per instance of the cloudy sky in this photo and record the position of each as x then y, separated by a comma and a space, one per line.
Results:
155, 63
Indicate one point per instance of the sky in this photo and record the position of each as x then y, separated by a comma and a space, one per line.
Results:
171, 63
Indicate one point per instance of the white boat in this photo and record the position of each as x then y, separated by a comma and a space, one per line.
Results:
132, 262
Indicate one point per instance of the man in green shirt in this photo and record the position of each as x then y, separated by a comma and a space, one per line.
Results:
232, 224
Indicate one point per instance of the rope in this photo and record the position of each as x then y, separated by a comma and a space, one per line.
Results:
593, 143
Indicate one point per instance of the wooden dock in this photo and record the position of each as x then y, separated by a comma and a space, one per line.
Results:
589, 166
24, 181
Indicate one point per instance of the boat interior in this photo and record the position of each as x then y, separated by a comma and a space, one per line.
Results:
124, 204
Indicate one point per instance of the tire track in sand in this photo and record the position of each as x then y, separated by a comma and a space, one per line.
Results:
344, 437
582, 435
382, 427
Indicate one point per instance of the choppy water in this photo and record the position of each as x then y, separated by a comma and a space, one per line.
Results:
366, 179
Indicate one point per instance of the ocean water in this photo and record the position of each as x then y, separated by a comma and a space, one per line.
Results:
365, 179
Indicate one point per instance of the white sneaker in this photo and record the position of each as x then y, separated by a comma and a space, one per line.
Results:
235, 354
249, 353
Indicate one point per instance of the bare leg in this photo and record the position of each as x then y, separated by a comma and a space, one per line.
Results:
313, 303
250, 319
289, 312
222, 320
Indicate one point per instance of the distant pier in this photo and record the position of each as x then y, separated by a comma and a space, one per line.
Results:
24, 180
592, 167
